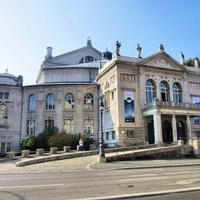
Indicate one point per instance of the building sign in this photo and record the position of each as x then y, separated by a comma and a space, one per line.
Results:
129, 112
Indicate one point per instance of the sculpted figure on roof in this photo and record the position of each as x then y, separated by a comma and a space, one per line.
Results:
118, 45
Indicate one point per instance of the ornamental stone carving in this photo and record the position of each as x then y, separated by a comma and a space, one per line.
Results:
127, 77
50, 115
68, 116
88, 115
112, 79
193, 85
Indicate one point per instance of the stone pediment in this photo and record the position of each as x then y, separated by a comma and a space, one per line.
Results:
163, 61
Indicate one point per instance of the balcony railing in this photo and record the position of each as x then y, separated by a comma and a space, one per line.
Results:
171, 104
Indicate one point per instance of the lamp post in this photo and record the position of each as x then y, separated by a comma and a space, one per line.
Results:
102, 157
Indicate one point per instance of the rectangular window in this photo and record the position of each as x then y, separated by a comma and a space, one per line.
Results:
8, 147
130, 134
6, 95
49, 122
3, 146
88, 126
112, 95
30, 127
1, 95
113, 135
69, 126
3, 115
107, 135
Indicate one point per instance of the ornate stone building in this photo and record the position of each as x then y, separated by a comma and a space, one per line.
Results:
149, 100
153, 99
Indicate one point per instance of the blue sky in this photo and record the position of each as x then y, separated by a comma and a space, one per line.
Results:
27, 27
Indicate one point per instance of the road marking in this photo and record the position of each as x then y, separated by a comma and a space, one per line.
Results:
141, 179
135, 195
183, 172
185, 182
30, 186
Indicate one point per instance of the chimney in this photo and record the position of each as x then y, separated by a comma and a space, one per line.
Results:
139, 49
182, 58
49, 53
161, 48
196, 61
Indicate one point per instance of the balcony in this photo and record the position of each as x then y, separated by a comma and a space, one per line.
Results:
171, 104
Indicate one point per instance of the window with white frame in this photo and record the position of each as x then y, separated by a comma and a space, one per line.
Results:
69, 126
3, 114
32, 102
107, 135
49, 122
177, 93
69, 101
113, 135
164, 91
88, 126
88, 101
4, 95
30, 127
130, 134
5, 147
50, 102
150, 91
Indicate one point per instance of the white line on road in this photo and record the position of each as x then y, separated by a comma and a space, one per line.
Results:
31, 186
142, 179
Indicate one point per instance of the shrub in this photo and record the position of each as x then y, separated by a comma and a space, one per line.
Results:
29, 143
62, 139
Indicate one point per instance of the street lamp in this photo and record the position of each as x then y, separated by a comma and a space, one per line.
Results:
102, 157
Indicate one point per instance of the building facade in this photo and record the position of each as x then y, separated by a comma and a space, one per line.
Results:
146, 100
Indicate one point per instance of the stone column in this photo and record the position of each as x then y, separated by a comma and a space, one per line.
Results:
188, 127
157, 128
174, 128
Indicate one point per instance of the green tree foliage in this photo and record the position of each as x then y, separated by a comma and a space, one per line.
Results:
190, 62
29, 143
62, 139
41, 140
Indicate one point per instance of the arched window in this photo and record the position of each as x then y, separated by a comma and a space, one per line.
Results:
32, 102
177, 93
50, 104
3, 115
88, 59
88, 101
81, 60
164, 91
69, 101
150, 91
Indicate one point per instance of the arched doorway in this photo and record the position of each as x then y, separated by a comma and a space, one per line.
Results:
151, 132
180, 131
167, 132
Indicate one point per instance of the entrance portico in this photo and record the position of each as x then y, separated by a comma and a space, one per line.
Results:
168, 122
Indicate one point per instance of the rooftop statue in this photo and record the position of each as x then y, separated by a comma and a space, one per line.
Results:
118, 45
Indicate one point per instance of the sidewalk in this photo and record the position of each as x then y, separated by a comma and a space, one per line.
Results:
90, 163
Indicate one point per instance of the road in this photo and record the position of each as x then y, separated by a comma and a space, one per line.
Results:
97, 184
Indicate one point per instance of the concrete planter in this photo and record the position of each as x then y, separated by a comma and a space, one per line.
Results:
10, 155
66, 148
40, 152
53, 150
25, 153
